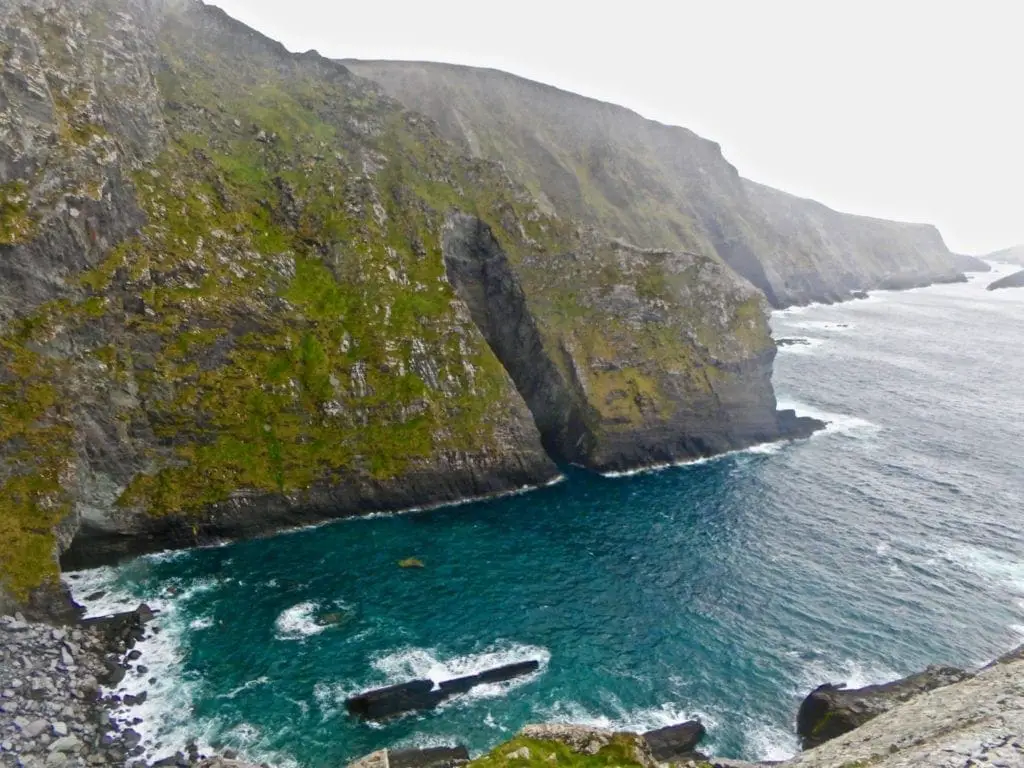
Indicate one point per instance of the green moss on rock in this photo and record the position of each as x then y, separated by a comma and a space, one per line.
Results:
522, 752
16, 222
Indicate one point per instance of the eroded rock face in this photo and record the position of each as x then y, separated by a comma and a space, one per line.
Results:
626, 356
832, 710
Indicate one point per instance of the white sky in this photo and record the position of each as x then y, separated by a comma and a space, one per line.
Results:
904, 109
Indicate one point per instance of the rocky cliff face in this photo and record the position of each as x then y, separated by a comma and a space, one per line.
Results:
663, 187
824, 254
243, 289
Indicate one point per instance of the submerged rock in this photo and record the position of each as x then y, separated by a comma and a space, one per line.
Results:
831, 710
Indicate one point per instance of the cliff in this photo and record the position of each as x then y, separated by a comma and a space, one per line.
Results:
243, 290
662, 186
825, 254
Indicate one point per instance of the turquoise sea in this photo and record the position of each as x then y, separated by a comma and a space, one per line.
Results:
724, 589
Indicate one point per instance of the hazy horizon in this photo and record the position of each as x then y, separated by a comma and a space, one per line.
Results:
903, 113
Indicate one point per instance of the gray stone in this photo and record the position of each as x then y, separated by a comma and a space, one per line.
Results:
60, 729
35, 728
66, 744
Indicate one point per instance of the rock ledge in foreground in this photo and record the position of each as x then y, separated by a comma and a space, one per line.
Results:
831, 710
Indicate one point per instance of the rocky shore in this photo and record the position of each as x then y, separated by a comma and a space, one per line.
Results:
54, 710
939, 718
62, 704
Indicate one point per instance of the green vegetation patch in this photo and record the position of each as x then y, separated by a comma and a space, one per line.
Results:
620, 752
16, 222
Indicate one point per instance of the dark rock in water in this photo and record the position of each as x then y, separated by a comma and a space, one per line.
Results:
421, 694
858, 294
1016, 280
431, 757
496, 675
508, 671
792, 342
831, 710
393, 700
676, 743
793, 427
96, 596
130, 739
131, 701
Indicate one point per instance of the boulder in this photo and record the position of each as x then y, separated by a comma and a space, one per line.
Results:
831, 710
676, 743
858, 294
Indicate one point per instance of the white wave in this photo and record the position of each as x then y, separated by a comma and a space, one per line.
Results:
994, 566
419, 664
245, 687
770, 742
805, 346
618, 718
800, 309
167, 715
298, 622
764, 449
201, 623
854, 673
427, 740
824, 325
882, 549
103, 582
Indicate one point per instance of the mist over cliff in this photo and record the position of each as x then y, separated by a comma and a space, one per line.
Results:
663, 186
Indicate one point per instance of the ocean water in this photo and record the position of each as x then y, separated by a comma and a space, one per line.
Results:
725, 589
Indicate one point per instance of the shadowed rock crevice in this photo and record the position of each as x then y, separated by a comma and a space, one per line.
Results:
480, 272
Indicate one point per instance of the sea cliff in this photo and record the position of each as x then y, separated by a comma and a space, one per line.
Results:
663, 186
245, 290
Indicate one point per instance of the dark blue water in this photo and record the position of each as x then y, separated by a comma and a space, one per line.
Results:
725, 589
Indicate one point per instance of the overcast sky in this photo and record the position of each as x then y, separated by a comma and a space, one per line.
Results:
903, 109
